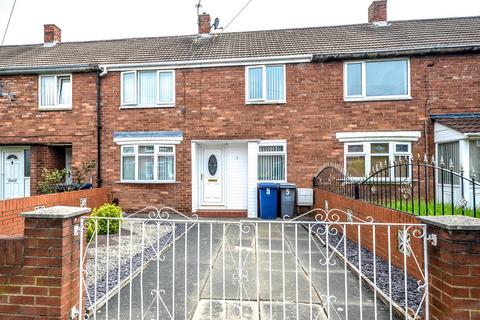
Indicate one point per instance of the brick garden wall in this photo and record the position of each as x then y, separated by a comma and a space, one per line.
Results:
11, 223
364, 210
39, 273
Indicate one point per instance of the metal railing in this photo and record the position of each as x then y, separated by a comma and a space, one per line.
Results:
419, 187
333, 265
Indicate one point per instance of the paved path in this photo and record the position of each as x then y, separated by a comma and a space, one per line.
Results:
289, 285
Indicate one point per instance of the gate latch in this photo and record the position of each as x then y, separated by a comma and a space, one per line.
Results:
76, 230
432, 238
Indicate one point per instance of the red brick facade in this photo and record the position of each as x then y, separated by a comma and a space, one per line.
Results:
210, 104
47, 132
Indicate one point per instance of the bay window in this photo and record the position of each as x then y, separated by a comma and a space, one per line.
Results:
148, 163
148, 88
55, 91
377, 79
272, 162
265, 84
363, 158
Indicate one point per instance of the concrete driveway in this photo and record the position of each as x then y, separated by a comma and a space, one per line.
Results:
277, 271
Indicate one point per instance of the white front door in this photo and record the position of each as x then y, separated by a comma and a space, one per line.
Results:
13, 169
212, 177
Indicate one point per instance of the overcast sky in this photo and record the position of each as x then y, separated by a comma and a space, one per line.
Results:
82, 20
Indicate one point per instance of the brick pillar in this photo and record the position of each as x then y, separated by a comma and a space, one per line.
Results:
44, 282
454, 267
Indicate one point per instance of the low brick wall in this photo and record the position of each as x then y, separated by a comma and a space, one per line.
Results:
39, 270
364, 210
12, 224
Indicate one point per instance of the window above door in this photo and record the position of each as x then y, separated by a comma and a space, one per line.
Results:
265, 84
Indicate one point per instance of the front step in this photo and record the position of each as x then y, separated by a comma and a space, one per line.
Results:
212, 213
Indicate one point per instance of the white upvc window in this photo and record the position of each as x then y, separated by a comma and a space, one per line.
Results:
377, 79
364, 158
265, 84
148, 163
272, 162
55, 92
148, 88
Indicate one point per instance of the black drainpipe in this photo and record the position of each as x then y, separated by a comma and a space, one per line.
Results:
99, 132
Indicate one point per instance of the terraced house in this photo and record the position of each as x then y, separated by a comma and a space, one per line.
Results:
195, 122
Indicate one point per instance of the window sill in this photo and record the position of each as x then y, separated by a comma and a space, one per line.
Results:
162, 106
387, 98
250, 103
55, 109
147, 182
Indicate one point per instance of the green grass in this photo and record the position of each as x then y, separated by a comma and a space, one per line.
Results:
420, 207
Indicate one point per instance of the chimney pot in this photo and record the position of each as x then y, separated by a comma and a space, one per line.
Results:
51, 34
377, 12
204, 24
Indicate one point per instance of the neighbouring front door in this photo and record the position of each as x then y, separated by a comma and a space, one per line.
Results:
212, 177
13, 169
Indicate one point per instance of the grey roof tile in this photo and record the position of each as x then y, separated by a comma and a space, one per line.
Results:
398, 35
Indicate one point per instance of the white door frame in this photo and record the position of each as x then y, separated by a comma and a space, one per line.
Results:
3, 152
201, 176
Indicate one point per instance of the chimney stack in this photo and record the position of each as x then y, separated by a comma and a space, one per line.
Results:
377, 12
204, 24
51, 34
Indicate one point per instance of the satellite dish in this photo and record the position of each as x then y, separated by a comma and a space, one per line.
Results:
216, 22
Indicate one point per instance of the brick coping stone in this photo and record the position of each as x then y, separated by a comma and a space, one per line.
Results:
57, 212
458, 223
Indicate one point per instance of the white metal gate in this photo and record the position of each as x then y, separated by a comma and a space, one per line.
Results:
321, 265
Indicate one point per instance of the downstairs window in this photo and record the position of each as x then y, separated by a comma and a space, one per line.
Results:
148, 163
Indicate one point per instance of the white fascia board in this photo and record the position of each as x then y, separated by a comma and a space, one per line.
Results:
208, 63
444, 134
379, 136
157, 140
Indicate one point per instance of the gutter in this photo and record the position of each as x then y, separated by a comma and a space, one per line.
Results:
49, 69
210, 63
320, 57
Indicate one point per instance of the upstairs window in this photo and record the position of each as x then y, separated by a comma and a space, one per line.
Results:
148, 88
265, 84
371, 80
55, 91
272, 162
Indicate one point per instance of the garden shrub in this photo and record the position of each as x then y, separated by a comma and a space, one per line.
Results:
102, 225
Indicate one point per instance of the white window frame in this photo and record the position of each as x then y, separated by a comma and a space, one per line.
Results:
367, 153
363, 96
56, 106
155, 155
158, 104
264, 100
284, 152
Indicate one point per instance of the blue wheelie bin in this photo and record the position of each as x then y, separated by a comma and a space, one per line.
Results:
268, 200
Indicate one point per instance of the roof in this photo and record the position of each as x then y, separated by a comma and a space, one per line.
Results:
464, 123
358, 38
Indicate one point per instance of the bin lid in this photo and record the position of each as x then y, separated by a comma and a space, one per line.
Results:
287, 186
263, 185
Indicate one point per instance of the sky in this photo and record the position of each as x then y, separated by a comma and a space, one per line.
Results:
110, 19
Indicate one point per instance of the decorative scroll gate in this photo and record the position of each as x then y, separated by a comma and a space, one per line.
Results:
326, 264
